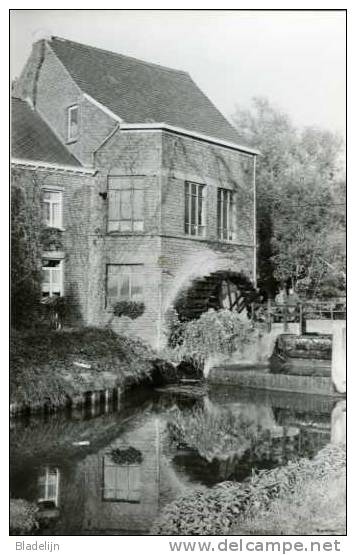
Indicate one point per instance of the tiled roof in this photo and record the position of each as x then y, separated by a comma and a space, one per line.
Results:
141, 92
32, 139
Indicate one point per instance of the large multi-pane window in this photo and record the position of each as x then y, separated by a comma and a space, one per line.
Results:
72, 123
226, 215
121, 482
124, 283
194, 212
52, 278
52, 208
126, 205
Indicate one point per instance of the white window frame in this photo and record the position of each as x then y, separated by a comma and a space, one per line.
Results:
133, 222
230, 229
70, 110
50, 478
51, 222
52, 291
190, 227
128, 273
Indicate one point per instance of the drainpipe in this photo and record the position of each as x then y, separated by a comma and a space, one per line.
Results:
254, 225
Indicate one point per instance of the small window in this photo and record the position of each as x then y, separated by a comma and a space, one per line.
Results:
52, 208
226, 215
124, 283
121, 482
72, 123
52, 278
126, 207
194, 210
48, 484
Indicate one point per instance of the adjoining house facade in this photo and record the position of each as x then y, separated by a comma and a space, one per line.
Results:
140, 176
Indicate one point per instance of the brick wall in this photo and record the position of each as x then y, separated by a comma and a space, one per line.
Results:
48, 84
171, 259
76, 198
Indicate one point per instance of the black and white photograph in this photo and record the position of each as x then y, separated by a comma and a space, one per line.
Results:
178, 275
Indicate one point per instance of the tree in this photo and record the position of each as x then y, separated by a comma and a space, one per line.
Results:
300, 202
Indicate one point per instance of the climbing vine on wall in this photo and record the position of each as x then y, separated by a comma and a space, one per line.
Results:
25, 246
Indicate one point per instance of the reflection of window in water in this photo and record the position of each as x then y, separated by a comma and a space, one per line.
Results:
121, 482
48, 483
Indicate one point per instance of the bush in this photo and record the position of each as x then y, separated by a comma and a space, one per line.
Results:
131, 309
213, 434
23, 517
222, 509
51, 239
216, 332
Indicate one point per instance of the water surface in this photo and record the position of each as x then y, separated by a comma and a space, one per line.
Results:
112, 470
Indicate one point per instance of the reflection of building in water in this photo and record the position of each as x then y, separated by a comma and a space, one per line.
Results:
48, 487
123, 496
121, 482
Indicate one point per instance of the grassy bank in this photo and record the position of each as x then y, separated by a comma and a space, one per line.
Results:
48, 368
303, 497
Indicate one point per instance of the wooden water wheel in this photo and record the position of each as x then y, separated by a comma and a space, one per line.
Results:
221, 290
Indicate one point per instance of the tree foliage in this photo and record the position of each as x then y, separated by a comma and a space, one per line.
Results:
300, 202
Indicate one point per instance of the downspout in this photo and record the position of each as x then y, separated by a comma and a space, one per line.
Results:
254, 225
41, 51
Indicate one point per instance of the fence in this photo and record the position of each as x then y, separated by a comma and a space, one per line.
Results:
272, 312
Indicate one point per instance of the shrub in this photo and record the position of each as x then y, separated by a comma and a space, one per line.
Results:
222, 509
213, 434
216, 332
131, 309
23, 517
51, 239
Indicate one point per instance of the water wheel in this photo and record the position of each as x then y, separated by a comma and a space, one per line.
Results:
221, 290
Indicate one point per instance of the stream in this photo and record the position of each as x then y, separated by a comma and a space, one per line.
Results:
110, 470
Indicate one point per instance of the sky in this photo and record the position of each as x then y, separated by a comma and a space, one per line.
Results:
294, 58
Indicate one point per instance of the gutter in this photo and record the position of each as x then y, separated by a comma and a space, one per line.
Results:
36, 164
187, 133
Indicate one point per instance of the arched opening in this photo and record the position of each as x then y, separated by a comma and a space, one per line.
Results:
218, 290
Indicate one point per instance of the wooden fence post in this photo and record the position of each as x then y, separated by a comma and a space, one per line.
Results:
269, 316
285, 321
302, 321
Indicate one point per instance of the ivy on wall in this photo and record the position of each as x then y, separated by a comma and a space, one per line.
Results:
25, 247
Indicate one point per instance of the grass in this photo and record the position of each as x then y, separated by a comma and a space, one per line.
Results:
48, 367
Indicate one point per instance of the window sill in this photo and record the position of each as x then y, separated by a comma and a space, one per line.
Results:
58, 228
124, 233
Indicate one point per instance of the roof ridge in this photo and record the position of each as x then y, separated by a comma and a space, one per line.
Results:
118, 54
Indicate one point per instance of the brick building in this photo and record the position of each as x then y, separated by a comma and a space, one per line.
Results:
141, 176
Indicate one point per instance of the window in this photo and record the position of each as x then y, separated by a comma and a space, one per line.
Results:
124, 283
126, 203
194, 218
226, 215
72, 123
52, 208
48, 483
121, 482
52, 278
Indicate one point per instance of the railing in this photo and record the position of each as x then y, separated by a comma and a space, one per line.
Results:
286, 313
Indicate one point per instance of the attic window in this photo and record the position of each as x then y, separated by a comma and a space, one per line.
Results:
72, 123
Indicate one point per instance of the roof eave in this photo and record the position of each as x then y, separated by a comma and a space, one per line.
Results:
38, 164
189, 133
